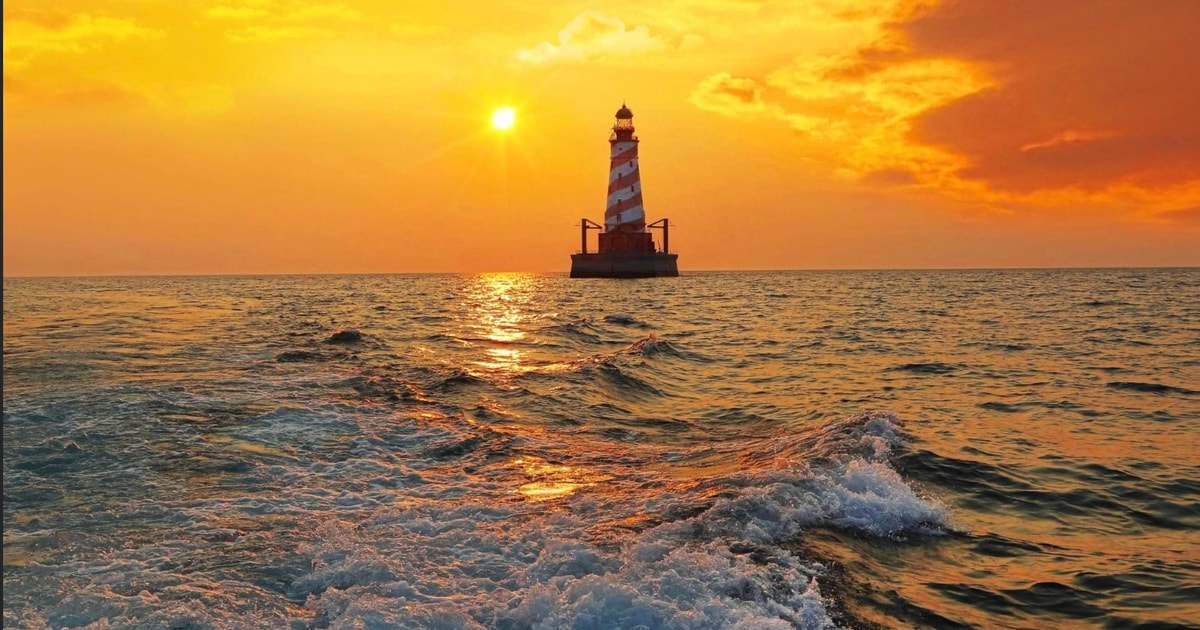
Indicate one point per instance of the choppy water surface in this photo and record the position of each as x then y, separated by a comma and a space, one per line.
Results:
988, 449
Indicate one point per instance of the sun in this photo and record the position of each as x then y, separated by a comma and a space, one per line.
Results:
504, 118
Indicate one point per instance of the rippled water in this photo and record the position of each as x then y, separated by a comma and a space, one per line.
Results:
989, 449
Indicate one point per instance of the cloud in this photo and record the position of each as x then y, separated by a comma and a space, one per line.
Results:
29, 34
34, 78
1090, 95
165, 99
224, 12
729, 95
80, 93
889, 178
323, 13
593, 34
276, 33
1070, 136
856, 118
1065, 101
1181, 215
268, 22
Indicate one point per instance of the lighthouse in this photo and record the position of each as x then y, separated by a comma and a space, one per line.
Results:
626, 247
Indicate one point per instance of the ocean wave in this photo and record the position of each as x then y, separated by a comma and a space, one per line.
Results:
1151, 388
625, 319
653, 345
455, 549
650, 345
703, 556
575, 331
345, 336
624, 383
926, 368
453, 379
310, 356
1002, 407
385, 388
468, 340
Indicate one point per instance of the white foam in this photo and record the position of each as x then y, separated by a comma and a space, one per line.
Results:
383, 545
563, 569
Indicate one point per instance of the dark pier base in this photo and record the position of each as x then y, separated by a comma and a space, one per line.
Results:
624, 265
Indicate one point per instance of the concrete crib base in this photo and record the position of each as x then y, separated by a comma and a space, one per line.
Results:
624, 265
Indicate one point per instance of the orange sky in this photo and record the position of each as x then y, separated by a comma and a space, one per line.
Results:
295, 136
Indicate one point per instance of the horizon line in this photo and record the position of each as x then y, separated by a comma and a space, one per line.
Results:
560, 272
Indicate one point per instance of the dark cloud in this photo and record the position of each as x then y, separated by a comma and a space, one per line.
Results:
1089, 93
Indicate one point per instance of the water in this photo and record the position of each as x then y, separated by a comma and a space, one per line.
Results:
987, 449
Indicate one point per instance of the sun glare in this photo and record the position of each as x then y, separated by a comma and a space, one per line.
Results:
504, 118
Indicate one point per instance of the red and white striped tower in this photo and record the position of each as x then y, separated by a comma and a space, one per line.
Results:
624, 217
626, 247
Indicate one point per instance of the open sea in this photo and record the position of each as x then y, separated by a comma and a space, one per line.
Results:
767, 450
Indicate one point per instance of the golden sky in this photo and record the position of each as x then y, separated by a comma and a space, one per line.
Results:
296, 136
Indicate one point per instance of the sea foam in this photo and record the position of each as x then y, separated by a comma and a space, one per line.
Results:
699, 555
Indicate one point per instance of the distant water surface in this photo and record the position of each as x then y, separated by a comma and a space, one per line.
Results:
895, 449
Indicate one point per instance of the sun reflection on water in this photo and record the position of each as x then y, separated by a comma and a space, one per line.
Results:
498, 303
554, 481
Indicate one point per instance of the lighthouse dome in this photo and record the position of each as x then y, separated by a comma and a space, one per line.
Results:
624, 113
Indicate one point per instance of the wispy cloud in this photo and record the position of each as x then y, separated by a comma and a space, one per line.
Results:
79, 93
859, 118
1182, 215
1069, 136
262, 21
34, 77
276, 33
28, 34
592, 35
322, 13
226, 12
163, 99
729, 95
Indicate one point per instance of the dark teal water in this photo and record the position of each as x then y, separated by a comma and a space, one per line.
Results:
987, 449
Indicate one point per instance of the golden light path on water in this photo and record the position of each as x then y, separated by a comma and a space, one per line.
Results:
499, 302
554, 480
